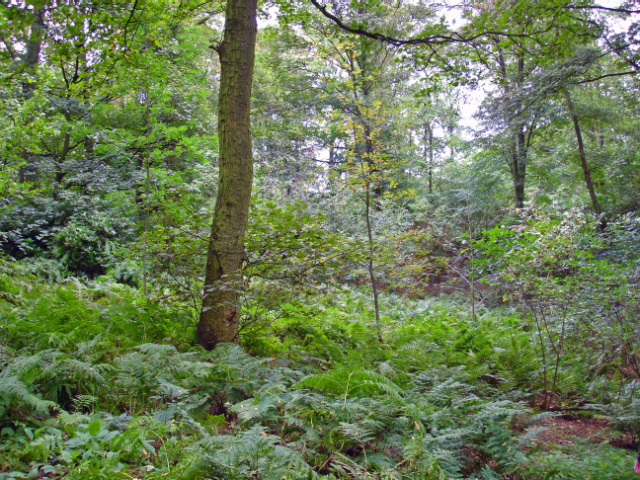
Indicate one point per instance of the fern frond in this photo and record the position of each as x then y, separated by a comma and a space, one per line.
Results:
360, 433
346, 382
254, 451
171, 391
14, 393
86, 402
165, 416
71, 419
141, 421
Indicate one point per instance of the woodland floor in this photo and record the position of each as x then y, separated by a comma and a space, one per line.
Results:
567, 429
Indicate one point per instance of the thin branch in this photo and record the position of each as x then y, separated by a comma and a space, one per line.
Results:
618, 74
439, 39
64, 76
10, 49
600, 7
209, 16
126, 25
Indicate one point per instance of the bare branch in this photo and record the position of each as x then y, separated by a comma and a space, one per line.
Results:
617, 74
437, 39
600, 7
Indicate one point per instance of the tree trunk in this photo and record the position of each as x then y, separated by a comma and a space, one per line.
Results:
372, 276
31, 56
428, 131
366, 162
30, 60
519, 144
223, 278
583, 155
370, 158
519, 167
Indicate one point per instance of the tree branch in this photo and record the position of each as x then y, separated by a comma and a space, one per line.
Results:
618, 74
438, 39
600, 7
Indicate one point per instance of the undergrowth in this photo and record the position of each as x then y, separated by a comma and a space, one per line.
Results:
98, 382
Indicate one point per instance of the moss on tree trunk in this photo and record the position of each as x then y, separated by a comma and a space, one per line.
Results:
223, 278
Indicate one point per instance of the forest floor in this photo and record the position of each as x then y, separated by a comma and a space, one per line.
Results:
97, 383
568, 430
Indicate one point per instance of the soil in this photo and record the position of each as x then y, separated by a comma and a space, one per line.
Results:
567, 429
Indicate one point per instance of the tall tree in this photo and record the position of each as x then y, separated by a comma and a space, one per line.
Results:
226, 255
583, 156
575, 77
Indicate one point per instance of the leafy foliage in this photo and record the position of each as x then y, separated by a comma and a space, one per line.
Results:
369, 171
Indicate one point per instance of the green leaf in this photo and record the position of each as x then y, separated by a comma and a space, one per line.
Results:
94, 428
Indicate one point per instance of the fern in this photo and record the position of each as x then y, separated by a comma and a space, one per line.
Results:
253, 409
170, 391
488, 474
14, 394
254, 453
84, 402
165, 416
142, 421
429, 463
346, 382
624, 417
361, 433
72, 419
160, 369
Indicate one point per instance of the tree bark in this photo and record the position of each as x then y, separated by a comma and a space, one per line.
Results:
31, 56
519, 167
373, 168
365, 162
30, 60
519, 143
583, 155
372, 276
428, 141
226, 255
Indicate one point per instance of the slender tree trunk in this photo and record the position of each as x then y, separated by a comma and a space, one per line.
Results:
366, 163
30, 60
473, 291
518, 164
369, 156
372, 276
61, 160
31, 56
583, 155
428, 141
520, 168
223, 279
147, 210
545, 382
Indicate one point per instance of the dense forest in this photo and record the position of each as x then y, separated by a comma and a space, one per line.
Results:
359, 239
